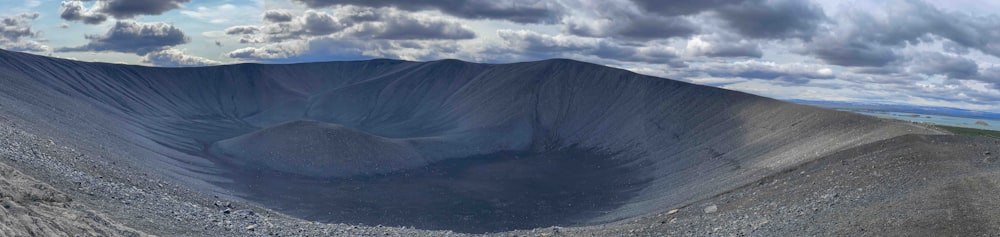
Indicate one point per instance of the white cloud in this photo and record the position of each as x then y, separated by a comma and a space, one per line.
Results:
176, 58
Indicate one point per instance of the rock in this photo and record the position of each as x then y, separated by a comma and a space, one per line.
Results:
711, 209
674, 211
251, 227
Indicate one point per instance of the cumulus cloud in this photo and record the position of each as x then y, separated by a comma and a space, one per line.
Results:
75, 11
16, 33
402, 27
723, 46
320, 23
382, 23
381, 32
280, 50
176, 58
248, 34
133, 37
357, 23
521, 11
327, 48
548, 46
101, 10
278, 16
242, 30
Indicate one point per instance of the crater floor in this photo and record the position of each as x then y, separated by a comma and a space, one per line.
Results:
489, 193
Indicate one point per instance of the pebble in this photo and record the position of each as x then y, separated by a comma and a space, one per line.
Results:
711, 209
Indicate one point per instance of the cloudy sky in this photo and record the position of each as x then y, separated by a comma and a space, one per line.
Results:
938, 53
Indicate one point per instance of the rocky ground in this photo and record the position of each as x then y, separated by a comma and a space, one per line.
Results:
33, 208
914, 185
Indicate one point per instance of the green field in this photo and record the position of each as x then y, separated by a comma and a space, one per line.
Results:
970, 131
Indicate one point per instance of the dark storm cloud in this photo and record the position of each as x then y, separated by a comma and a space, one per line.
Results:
133, 37
131, 8
658, 27
683, 7
990, 75
933, 63
852, 53
101, 10
16, 33
277, 16
737, 50
913, 21
921, 19
521, 11
639, 27
862, 39
774, 19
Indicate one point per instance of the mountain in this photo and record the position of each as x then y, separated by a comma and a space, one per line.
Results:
440, 145
917, 109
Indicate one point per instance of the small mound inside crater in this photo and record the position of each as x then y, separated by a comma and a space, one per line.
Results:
317, 149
